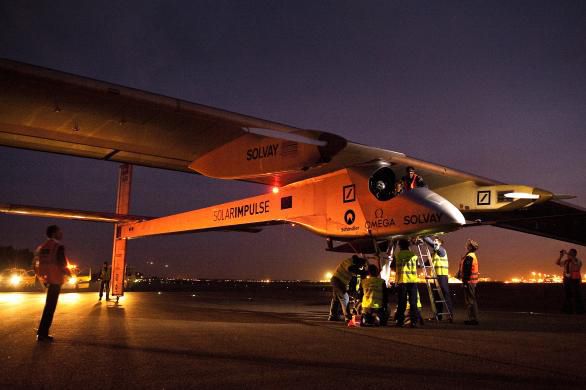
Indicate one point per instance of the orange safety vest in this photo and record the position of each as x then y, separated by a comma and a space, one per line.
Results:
46, 267
473, 272
411, 185
572, 269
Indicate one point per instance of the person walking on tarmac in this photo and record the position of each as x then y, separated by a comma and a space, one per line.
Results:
354, 265
441, 268
374, 298
572, 281
468, 274
51, 268
405, 265
411, 180
105, 275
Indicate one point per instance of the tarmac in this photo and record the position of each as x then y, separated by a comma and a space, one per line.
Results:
230, 339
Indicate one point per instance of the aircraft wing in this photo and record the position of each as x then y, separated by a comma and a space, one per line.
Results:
47, 110
553, 219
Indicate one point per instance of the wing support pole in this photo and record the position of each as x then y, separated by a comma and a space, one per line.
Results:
119, 245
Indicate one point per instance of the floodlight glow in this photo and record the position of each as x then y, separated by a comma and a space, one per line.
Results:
275, 190
15, 280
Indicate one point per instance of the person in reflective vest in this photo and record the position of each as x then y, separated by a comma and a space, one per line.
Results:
419, 308
441, 268
340, 282
51, 268
411, 180
572, 281
374, 298
405, 266
468, 274
105, 275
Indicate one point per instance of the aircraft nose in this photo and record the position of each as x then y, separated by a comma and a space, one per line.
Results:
439, 212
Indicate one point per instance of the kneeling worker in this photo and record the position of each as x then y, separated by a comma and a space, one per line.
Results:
354, 265
374, 298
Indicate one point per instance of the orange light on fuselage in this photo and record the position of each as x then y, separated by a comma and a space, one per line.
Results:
275, 190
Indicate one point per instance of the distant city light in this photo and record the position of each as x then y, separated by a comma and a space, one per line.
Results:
536, 277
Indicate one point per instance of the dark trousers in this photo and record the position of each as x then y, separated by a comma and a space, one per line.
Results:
573, 296
105, 285
407, 291
470, 301
340, 300
49, 310
370, 316
445, 287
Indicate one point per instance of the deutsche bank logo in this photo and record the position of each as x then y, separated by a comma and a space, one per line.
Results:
349, 193
483, 198
349, 217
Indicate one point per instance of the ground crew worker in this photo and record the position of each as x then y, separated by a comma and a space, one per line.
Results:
411, 180
105, 276
468, 274
374, 298
441, 268
572, 281
405, 264
51, 268
354, 265
419, 309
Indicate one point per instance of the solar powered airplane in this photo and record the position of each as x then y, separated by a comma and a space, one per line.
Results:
335, 188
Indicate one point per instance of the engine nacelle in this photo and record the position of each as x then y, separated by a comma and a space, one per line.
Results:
255, 155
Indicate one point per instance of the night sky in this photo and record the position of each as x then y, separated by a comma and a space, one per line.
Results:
494, 88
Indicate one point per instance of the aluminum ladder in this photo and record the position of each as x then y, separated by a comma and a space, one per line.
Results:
432, 282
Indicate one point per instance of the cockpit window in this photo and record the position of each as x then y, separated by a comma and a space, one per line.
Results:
382, 184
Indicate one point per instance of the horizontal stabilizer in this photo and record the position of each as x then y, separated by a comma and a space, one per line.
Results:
82, 215
96, 216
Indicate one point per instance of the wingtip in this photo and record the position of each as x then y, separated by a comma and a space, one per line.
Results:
563, 197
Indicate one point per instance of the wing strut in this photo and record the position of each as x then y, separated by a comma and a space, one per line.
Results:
119, 245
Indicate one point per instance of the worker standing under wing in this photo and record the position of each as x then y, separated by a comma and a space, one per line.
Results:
468, 274
105, 276
405, 264
441, 267
354, 265
51, 268
572, 281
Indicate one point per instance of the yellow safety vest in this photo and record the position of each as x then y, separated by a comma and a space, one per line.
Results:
440, 264
372, 288
406, 267
343, 273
